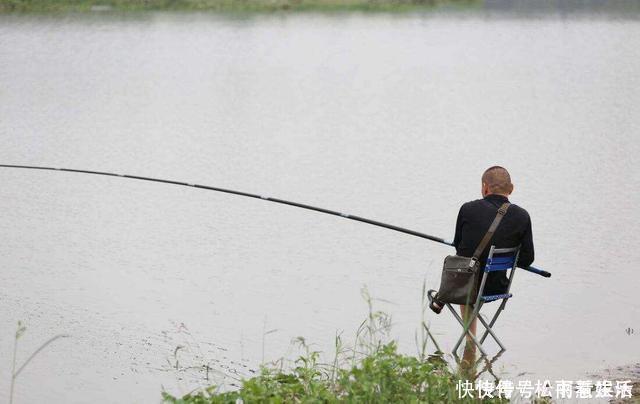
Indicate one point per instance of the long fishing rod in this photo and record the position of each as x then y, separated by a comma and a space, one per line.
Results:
265, 198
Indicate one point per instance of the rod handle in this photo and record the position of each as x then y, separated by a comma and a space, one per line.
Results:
538, 271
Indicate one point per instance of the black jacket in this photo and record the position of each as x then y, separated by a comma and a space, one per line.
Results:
474, 220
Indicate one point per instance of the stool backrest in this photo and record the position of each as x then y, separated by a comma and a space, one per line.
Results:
501, 259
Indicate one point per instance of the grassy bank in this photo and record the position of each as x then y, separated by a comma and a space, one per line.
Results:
8, 6
384, 376
371, 370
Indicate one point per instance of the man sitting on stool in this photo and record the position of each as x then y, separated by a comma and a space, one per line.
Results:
474, 219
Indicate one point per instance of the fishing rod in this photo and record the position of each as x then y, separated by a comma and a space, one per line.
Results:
265, 198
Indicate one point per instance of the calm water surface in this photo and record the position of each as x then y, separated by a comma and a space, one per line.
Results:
388, 117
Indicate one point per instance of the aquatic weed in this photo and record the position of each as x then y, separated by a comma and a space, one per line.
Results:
21, 329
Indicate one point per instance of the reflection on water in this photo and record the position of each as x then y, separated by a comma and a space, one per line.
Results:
392, 117
565, 8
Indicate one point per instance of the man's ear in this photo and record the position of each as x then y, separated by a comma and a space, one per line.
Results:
511, 191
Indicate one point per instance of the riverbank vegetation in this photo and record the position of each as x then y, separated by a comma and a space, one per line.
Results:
370, 371
7, 6
384, 376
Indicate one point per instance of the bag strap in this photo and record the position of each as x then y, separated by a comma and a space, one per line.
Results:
489, 235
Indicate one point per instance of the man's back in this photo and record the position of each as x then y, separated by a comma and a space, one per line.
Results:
474, 220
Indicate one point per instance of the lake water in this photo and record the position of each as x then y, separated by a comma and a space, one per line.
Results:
391, 117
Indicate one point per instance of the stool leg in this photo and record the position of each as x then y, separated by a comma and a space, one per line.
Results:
490, 331
465, 328
493, 320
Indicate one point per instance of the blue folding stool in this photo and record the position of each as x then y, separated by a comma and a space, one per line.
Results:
499, 259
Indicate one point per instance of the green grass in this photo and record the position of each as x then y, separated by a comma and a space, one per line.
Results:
384, 376
371, 371
8, 6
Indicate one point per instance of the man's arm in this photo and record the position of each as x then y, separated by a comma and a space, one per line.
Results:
458, 236
526, 247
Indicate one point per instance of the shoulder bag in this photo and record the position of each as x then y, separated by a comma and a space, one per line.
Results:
461, 275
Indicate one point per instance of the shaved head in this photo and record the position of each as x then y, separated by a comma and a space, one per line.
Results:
497, 180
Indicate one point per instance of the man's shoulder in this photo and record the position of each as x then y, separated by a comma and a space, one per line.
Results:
475, 202
522, 211
483, 204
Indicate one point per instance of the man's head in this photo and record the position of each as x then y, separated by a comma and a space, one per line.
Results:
496, 180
